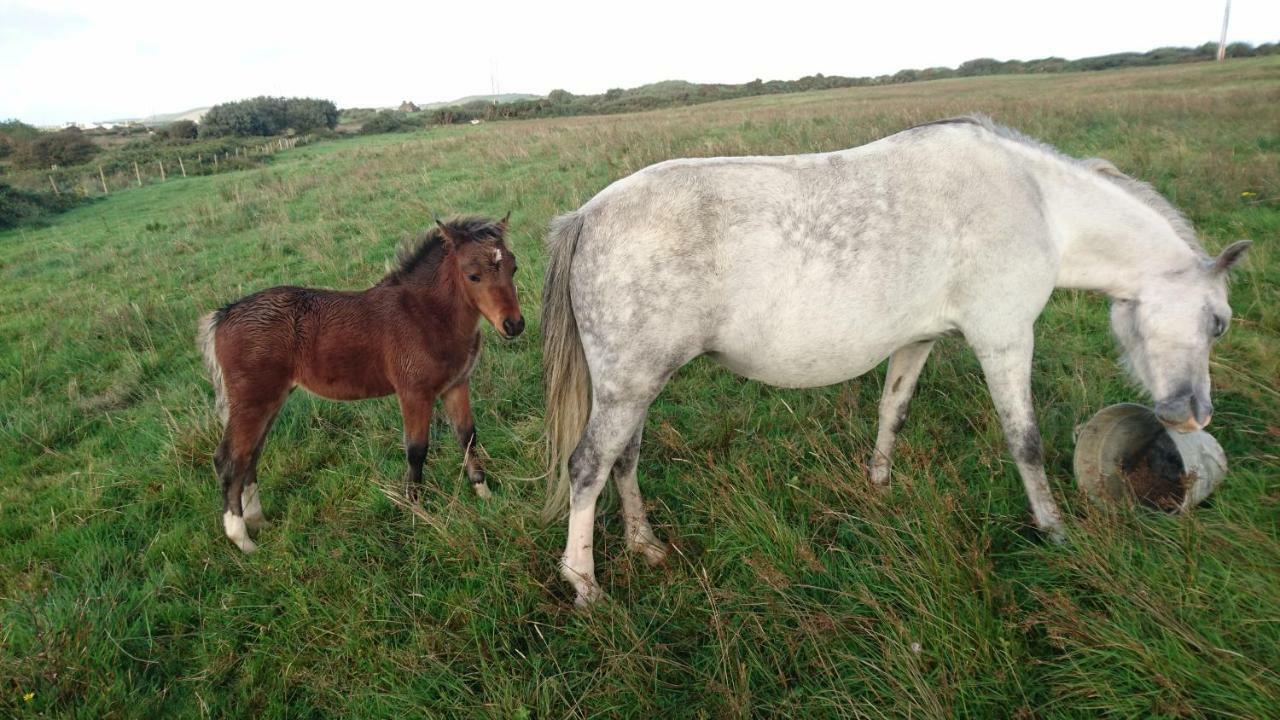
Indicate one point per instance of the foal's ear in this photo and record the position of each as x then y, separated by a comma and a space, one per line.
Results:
502, 224
448, 239
1232, 255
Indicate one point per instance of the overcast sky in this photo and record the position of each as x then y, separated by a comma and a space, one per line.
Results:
63, 60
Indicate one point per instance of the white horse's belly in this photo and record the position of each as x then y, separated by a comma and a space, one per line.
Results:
798, 370
813, 351
817, 324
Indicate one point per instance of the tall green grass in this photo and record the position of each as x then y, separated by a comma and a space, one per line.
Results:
794, 590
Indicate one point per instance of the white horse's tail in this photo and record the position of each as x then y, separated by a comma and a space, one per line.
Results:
206, 340
565, 378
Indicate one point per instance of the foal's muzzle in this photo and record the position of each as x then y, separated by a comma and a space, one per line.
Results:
512, 328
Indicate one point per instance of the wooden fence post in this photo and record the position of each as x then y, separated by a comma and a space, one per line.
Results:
183, 167
161, 164
55, 186
103, 178
215, 163
137, 173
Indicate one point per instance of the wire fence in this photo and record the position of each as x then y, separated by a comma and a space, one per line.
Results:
96, 181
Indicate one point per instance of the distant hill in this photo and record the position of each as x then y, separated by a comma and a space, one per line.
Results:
193, 114
500, 99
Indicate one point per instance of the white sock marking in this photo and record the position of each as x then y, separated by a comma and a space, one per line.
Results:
236, 530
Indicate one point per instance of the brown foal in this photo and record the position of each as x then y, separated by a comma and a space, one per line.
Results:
416, 334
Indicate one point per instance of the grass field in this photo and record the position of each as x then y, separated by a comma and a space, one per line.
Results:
795, 590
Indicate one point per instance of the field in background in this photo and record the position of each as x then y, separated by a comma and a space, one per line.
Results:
795, 590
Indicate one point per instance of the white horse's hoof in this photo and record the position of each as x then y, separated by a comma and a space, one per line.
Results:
654, 550
482, 490
587, 597
879, 478
656, 554
1057, 534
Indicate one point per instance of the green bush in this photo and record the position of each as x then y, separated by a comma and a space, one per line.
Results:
262, 116
182, 130
14, 133
65, 147
386, 121
18, 206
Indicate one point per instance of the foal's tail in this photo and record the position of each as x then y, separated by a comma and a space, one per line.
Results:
206, 341
564, 375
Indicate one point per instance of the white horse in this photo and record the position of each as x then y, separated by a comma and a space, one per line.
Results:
807, 270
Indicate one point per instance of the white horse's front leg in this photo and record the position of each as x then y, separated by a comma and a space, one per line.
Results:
1007, 367
899, 385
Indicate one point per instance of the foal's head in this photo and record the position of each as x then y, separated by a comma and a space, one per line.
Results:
477, 253
1167, 330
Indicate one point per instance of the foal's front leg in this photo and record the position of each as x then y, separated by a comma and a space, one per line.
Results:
416, 409
457, 405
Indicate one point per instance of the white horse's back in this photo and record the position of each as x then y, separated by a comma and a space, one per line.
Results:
807, 270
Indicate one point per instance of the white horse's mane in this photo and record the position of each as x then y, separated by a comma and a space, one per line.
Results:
1140, 190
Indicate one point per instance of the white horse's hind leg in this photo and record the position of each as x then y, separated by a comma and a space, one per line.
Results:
899, 385
610, 428
1008, 371
640, 536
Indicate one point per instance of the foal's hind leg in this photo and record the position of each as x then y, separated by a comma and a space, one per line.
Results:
457, 405
640, 536
899, 385
250, 500
235, 461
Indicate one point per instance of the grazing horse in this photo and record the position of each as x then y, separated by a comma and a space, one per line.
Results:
416, 334
807, 270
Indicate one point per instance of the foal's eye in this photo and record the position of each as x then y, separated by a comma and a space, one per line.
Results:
473, 278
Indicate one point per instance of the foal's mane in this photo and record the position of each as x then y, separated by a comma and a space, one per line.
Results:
418, 261
1139, 190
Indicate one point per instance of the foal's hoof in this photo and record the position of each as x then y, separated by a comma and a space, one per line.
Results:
237, 532
482, 490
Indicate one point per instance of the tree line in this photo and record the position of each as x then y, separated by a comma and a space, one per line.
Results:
676, 92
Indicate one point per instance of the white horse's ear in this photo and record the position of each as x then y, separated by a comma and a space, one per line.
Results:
1232, 255
1104, 167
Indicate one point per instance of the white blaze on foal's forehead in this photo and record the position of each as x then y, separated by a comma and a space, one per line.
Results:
497, 255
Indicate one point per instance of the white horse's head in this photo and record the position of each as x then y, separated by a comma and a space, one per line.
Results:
1167, 330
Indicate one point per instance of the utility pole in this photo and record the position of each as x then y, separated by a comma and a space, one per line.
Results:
1222, 43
